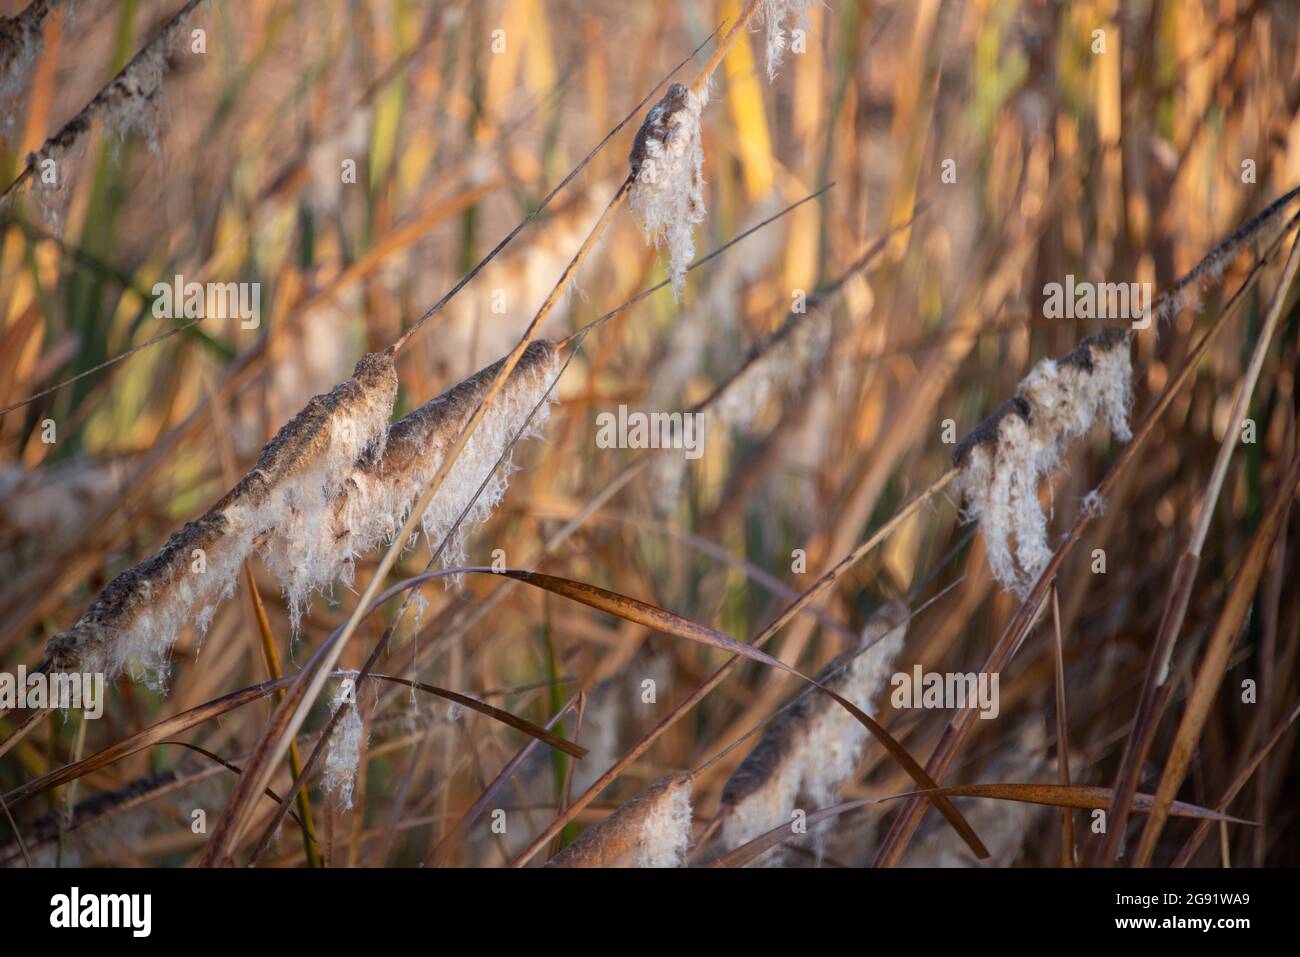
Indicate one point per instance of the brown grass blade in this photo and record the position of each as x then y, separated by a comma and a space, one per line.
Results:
311, 846
497, 714
1198, 836
230, 766
150, 736
1180, 590
1215, 662
643, 613
1062, 734
1051, 795
1081, 796
438, 856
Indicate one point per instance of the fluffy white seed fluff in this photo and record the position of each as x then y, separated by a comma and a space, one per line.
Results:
343, 755
22, 40
1007, 457
668, 164
782, 365
707, 330
666, 830
813, 749
763, 810
652, 830
666, 477
134, 622
1093, 503
130, 102
774, 14
369, 507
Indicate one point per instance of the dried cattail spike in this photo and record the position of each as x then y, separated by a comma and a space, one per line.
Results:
782, 363
128, 104
373, 500
1006, 456
652, 830
21, 42
667, 162
139, 615
1186, 291
813, 748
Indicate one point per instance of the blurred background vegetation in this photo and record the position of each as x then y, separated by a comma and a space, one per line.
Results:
1121, 165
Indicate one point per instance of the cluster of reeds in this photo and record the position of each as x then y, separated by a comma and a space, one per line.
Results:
479, 650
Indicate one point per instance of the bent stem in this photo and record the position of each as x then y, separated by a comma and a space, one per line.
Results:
961, 724
1215, 663
272, 658
1150, 701
698, 695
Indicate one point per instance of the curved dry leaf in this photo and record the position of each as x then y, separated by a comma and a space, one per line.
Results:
1053, 795
505, 717
151, 735
643, 613
1080, 796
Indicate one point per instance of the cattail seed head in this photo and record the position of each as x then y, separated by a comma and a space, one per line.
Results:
1189, 290
138, 617
667, 162
652, 830
129, 103
371, 504
813, 748
783, 363
1005, 458
21, 42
